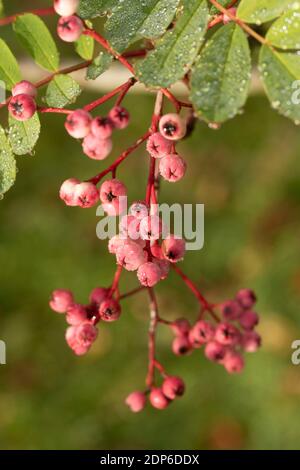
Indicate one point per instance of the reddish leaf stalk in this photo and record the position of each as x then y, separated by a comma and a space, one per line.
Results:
39, 12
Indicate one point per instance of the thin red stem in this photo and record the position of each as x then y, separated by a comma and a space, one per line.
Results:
152, 337
104, 43
120, 159
125, 90
72, 68
116, 280
39, 12
132, 292
55, 110
108, 96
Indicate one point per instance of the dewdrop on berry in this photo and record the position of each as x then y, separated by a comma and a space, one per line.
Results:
172, 127
22, 107
78, 123
149, 274
65, 7
24, 88
69, 28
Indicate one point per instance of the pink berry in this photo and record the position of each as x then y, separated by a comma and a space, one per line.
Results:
181, 346
67, 191
119, 117
151, 227
249, 320
115, 243
136, 401
158, 146
76, 314
172, 168
156, 251
73, 342
149, 274
227, 334
98, 295
110, 193
65, 7
173, 387
130, 227
231, 310
215, 351
233, 362
110, 310
24, 88
181, 327
69, 28
164, 267
246, 297
226, 18
78, 123
172, 127
102, 127
22, 107
158, 399
61, 300
173, 249
86, 195
251, 341
201, 333
95, 148
130, 255
138, 209
86, 334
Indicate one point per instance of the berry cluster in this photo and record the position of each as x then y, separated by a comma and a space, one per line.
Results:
143, 244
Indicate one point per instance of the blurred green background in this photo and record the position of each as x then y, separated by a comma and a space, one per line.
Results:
248, 176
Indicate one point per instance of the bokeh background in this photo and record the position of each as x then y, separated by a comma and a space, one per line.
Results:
248, 176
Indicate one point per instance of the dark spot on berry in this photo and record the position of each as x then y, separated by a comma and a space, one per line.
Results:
17, 107
170, 129
110, 196
66, 25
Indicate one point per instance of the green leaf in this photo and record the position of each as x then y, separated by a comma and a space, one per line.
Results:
93, 8
176, 51
280, 72
285, 32
9, 69
37, 40
1, 8
221, 76
85, 47
99, 65
62, 90
8, 168
261, 11
23, 135
135, 19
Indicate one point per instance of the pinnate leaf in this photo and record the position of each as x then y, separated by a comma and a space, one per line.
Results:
280, 72
9, 69
37, 40
285, 32
221, 75
23, 135
8, 168
176, 51
261, 11
61, 91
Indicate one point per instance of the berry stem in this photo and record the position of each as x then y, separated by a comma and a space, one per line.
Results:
116, 280
65, 71
122, 88
39, 12
132, 292
152, 337
55, 110
120, 159
219, 18
126, 88
243, 25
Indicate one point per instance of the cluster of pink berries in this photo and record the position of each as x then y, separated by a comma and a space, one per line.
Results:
22, 105
83, 319
159, 397
137, 246
96, 133
224, 342
70, 26
161, 145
